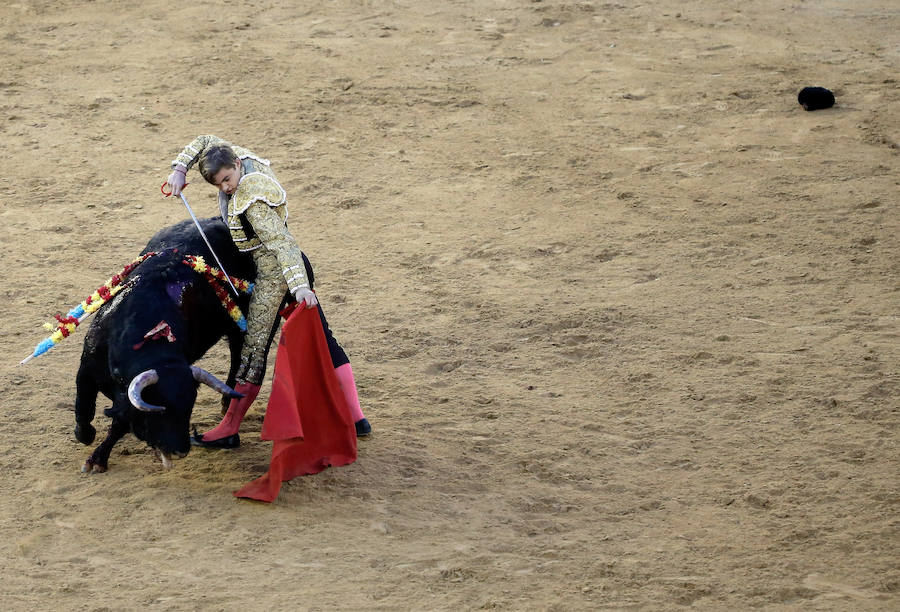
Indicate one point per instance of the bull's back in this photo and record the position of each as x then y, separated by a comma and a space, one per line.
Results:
161, 290
186, 238
149, 297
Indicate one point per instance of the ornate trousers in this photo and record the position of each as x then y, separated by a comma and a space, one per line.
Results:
269, 294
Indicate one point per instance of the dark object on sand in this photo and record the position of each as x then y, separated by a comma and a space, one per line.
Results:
815, 98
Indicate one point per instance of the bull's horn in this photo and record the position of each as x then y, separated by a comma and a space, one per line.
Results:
137, 386
201, 375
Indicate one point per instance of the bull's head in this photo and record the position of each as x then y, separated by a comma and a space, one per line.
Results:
165, 425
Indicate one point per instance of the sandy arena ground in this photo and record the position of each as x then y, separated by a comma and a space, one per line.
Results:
624, 317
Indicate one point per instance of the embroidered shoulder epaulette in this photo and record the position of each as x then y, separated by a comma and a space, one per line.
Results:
254, 187
243, 153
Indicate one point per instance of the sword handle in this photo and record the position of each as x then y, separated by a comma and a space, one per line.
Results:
162, 188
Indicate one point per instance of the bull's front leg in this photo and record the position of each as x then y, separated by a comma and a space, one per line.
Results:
86, 391
98, 462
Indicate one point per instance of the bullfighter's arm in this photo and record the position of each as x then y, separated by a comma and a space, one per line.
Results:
274, 234
191, 153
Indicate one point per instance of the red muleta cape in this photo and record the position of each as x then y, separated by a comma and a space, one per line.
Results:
307, 416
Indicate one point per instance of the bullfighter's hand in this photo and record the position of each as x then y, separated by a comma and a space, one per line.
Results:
307, 296
176, 180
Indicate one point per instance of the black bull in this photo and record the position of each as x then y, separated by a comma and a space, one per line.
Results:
151, 382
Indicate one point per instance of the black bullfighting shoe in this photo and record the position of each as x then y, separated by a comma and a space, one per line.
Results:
232, 441
363, 428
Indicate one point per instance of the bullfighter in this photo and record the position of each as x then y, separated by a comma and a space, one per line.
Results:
254, 206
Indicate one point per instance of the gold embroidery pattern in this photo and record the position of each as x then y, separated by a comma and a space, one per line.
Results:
262, 202
254, 187
275, 236
267, 294
192, 153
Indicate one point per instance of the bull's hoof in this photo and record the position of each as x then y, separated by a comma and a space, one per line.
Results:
363, 428
90, 467
85, 433
232, 441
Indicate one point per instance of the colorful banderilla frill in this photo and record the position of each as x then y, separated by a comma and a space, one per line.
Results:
216, 279
66, 324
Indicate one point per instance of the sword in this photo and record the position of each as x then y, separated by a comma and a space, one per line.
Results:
206, 240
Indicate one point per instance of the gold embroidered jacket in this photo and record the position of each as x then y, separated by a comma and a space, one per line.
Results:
261, 202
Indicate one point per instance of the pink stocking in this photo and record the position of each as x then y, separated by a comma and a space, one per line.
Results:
231, 422
348, 386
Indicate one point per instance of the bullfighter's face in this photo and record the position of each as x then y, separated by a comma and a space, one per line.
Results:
227, 178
